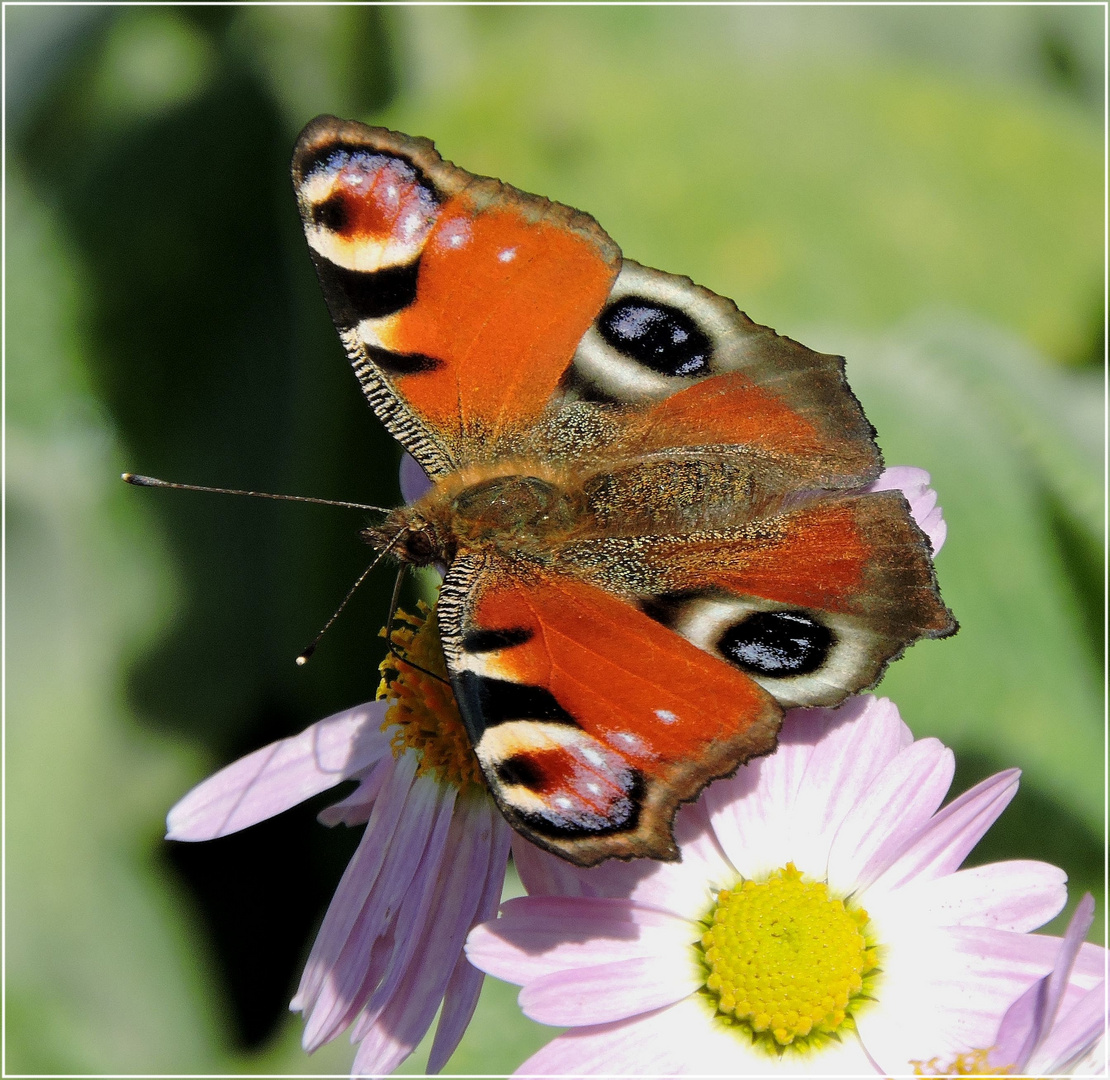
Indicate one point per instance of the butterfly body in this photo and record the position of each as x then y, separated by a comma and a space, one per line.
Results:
654, 513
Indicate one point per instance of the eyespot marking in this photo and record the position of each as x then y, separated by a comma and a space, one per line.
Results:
559, 781
777, 644
657, 335
365, 210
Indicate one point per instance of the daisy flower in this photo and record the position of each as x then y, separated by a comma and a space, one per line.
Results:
818, 921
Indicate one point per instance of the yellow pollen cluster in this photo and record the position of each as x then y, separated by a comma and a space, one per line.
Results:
786, 959
424, 709
973, 1063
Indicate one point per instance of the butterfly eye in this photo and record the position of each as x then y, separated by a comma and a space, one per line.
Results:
656, 335
777, 644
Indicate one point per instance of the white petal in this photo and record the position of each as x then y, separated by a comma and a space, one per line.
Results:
899, 801
867, 733
1019, 895
751, 811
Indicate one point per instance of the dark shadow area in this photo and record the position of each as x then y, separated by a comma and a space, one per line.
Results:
1063, 66
212, 349
262, 892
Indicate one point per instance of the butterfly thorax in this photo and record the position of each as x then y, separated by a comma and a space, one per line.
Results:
525, 512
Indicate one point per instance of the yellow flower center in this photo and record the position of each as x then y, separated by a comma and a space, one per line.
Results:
787, 961
424, 711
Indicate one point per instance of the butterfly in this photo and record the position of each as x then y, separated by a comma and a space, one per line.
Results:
650, 508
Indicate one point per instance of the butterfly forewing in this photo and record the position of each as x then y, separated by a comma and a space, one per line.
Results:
460, 300
591, 720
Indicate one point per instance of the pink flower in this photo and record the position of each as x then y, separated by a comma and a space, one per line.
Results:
817, 923
431, 864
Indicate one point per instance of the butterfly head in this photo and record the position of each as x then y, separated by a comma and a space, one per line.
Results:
410, 537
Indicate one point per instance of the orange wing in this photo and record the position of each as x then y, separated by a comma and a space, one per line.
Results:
592, 721
460, 300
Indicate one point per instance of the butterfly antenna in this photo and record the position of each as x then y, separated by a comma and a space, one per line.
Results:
151, 481
394, 600
303, 657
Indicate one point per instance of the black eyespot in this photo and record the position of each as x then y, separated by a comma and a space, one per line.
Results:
656, 335
331, 214
521, 769
777, 643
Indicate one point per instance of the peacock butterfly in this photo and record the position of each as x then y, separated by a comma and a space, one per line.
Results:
651, 509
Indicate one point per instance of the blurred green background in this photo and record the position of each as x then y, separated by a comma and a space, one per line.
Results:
918, 188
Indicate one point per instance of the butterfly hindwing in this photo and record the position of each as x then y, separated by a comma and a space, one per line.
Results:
811, 603
694, 371
591, 721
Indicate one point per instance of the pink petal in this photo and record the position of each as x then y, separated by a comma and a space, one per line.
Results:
679, 887
1029, 1020
544, 874
990, 969
352, 896
537, 936
751, 811
914, 484
866, 734
369, 950
414, 480
281, 775
598, 995
1018, 895
408, 929
355, 808
900, 800
465, 984
391, 1033
945, 842
644, 1046
1074, 1035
